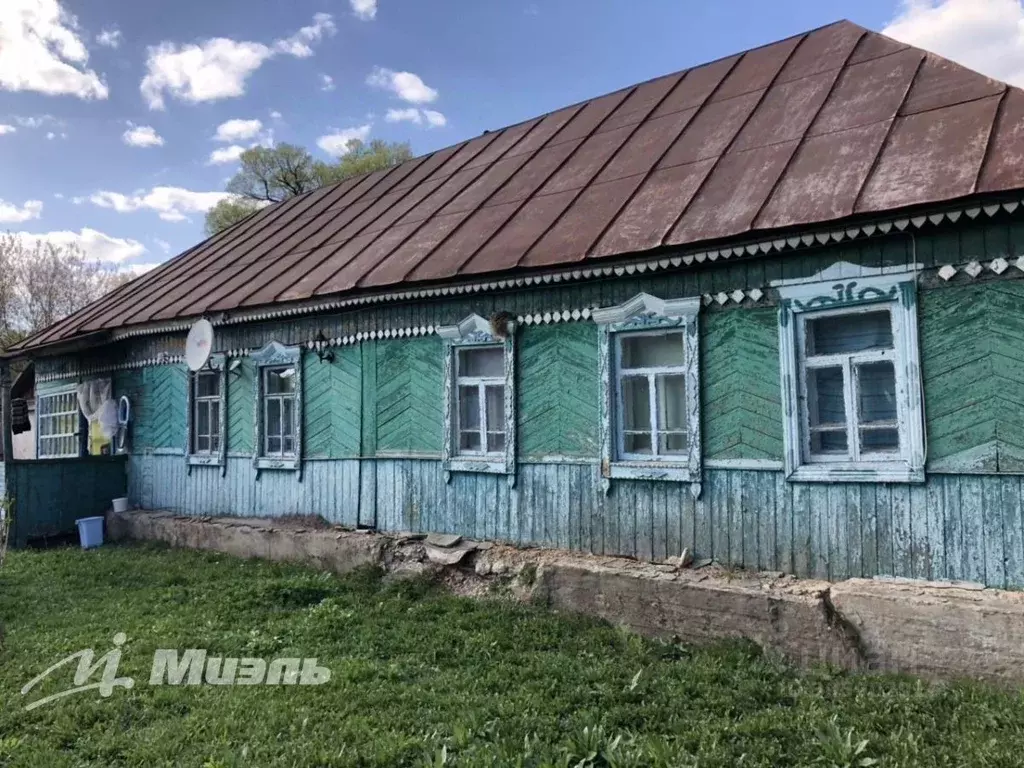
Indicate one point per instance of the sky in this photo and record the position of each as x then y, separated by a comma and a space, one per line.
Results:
121, 120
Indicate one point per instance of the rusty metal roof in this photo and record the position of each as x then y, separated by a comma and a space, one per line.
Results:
826, 125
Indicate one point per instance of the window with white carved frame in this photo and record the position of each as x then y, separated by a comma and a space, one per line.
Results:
480, 396
650, 396
278, 407
207, 420
59, 426
851, 378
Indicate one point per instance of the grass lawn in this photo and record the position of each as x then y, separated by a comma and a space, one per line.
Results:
423, 678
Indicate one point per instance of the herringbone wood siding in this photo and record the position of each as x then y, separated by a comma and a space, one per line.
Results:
740, 384
240, 408
331, 403
972, 359
410, 392
558, 399
160, 409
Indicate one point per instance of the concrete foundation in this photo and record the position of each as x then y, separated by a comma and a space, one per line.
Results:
936, 630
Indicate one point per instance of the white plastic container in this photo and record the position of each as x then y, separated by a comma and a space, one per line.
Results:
90, 532
121, 504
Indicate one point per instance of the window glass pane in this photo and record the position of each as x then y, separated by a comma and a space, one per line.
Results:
672, 443
273, 421
469, 441
214, 444
652, 350
214, 418
636, 404
825, 401
495, 442
832, 441
287, 417
849, 333
879, 440
203, 444
280, 380
288, 444
671, 392
273, 445
876, 401
207, 384
637, 442
495, 408
482, 361
202, 419
469, 408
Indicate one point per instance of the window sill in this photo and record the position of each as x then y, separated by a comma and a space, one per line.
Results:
651, 470
494, 467
856, 473
197, 460
264, 462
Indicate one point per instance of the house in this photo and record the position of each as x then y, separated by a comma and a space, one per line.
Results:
767, 309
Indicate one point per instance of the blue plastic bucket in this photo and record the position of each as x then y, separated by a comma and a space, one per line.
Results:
90, 531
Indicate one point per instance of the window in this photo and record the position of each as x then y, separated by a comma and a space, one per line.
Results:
278, 407
279, 412
650, 399
480, 390
207, 418
480, 400
60, 426
851, 379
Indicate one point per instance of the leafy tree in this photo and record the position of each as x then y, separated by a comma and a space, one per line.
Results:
272, 174
41, 283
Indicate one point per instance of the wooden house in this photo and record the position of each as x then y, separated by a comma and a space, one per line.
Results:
769, 309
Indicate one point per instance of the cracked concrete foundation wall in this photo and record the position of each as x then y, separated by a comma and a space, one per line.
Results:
936, 630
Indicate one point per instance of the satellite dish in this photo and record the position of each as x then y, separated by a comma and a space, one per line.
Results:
199, 344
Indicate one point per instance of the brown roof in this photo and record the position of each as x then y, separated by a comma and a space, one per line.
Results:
829, 124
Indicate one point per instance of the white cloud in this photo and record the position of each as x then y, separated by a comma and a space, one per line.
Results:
51, 135
326, 83
985, 35
140, 269
237, 130
218, 68
142, 136
162, 244
337, 143
10, 213
171, 203
405, 85
96, 245
40, 50
435, 119
417, 116
298, 44
410, 115
35, 121
226, 155
6, 129
275, 115
110, 37
364, 9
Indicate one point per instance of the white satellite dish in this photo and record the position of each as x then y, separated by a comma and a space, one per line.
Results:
199, 344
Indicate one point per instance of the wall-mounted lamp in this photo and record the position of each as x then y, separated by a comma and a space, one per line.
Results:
234, 366
322, 348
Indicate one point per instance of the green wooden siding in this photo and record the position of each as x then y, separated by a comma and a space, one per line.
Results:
741, 401
972, 360
161, 411
241, 391
331, 404
410, 395
558, 399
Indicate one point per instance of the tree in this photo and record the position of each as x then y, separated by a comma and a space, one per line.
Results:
273, 174
41, 283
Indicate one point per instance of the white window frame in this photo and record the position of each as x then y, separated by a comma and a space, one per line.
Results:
216, 366
833, 293
272, 357
478, 332
78, 435
647, 315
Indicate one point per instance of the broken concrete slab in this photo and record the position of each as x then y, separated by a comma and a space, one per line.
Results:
447, 555
443, 539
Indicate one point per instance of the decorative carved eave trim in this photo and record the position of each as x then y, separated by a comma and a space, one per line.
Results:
275, 353
645, 305
472, 328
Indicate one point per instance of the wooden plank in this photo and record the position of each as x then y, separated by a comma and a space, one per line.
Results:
972, 507
854, 536
920, 538
803, 536
1013, 530
868, 531
994, 536
884, 526
935, 512
956, 563
750, 514
645, 521
901, 534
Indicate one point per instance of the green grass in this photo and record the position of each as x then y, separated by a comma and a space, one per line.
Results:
423, 678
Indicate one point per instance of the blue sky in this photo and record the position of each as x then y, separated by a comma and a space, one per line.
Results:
110, 109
